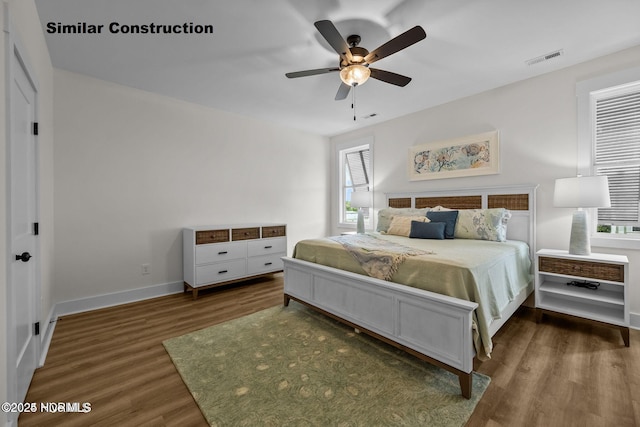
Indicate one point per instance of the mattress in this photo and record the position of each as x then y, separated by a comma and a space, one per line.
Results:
489, 273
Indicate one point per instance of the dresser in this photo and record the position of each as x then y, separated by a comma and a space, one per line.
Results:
216, 255
594, 287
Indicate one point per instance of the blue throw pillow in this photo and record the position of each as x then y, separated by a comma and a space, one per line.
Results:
448, 217
427, 230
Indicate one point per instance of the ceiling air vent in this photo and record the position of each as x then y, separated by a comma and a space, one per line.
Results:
547, 57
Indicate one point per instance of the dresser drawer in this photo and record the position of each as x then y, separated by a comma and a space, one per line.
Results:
220, 272
267, 246
206, 254
265, 264
212, 236
587, 269
274, 231
245, 233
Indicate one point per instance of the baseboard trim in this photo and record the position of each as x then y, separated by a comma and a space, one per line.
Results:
117, 298
634, 320
101, 301
47, 334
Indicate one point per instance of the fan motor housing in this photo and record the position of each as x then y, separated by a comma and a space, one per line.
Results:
358, 53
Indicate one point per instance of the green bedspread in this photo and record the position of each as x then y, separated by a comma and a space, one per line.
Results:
488, 273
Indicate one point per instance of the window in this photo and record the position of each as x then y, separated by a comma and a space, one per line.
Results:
617, 153
355, 175
609, 144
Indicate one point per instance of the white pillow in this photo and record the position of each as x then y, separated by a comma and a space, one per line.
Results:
401, 225
482, 224
386, 215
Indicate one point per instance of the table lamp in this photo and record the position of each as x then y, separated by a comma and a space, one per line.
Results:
581, 192
360, 199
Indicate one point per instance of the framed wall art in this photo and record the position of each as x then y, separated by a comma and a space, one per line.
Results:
467, 156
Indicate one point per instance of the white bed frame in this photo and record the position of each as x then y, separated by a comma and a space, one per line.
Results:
434, 327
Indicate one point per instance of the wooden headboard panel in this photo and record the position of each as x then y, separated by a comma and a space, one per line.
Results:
514, 202
520, 200
452, 202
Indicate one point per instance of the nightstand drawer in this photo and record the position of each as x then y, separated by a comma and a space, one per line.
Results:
587, 269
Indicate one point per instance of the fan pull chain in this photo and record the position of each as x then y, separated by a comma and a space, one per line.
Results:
353, 101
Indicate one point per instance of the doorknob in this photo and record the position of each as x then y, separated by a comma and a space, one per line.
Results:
24, 257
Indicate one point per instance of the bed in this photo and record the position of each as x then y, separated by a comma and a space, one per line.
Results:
446, 330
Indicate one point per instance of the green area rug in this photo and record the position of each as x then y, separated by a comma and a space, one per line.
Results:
291, 366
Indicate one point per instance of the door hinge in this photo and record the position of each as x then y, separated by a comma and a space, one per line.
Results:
36, 328
36, 229
35, 128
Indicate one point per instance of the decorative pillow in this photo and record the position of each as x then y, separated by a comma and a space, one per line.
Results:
386, 215
427, 230
448, 217
401, 225
483, 224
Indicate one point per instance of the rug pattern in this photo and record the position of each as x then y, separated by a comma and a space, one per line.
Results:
291, 366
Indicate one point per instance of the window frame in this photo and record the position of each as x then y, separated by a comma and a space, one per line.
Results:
586, 92
341, 151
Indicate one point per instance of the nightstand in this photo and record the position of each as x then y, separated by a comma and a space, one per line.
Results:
604, 299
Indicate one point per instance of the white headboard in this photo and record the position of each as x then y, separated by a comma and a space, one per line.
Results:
519, 199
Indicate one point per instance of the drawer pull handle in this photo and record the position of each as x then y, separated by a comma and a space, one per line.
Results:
223, 253
268, 263
222, 271
268, 247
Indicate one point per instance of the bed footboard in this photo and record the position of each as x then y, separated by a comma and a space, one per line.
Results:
434, 327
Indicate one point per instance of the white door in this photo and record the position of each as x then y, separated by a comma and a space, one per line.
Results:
23, 287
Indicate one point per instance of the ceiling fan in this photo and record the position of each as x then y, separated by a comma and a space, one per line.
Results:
355, 60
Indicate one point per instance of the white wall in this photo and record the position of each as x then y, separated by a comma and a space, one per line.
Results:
133, 168
538, 136
25, 27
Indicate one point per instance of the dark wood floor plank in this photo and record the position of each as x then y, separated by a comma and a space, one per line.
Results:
559, 372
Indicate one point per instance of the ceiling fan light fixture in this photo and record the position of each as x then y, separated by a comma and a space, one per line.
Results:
355, 74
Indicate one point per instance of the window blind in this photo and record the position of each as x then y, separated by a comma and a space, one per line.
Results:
617, 154
358, 167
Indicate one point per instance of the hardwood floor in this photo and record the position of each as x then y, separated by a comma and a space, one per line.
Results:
560, 372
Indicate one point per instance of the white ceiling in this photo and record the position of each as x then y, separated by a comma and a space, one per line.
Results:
471, 46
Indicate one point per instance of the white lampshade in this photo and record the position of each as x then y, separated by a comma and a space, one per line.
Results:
361, 199
582, 192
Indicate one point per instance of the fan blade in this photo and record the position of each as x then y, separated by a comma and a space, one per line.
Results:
333, 37
311, 72
343, 91
396, 44
389, 77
